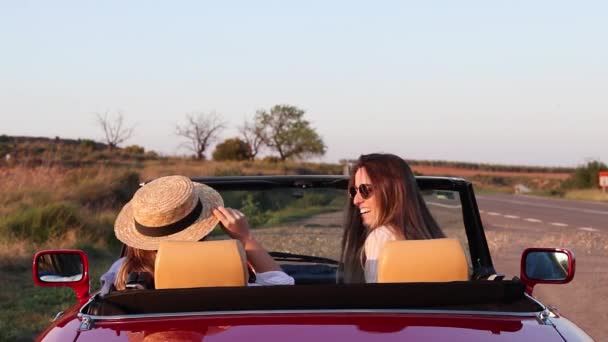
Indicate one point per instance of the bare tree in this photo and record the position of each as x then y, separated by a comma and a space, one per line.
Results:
253, 134
114, 129
201, 130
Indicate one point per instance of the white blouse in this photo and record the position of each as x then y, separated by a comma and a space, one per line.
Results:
373, 246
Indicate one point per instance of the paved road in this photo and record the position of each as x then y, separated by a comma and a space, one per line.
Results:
543, 213
513, 223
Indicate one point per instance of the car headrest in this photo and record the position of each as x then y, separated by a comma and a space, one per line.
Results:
181, 264
434, 260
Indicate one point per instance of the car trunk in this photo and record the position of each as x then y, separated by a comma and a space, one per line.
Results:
325, 326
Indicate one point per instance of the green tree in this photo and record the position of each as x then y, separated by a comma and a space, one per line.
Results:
232, 149
586, 176
285, 131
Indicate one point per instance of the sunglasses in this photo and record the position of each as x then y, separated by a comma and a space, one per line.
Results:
365, 190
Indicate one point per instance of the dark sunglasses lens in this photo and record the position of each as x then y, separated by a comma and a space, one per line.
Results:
365, 191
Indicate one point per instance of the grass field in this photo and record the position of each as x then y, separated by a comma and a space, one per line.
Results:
25, 309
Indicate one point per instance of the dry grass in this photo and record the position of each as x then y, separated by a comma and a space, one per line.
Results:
27, 186
19, 178
24, 188
194, 168
17, 253
466, 173
98, 235
500, 181
587, 195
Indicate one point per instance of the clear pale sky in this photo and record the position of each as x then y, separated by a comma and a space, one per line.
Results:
517, 82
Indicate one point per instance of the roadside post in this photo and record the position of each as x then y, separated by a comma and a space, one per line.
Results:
603, 180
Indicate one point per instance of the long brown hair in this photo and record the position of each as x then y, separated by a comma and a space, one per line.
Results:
136, 260
402, 209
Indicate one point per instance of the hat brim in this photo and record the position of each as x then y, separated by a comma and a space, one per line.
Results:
125, 231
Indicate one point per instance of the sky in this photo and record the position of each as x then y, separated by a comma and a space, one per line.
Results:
510, 82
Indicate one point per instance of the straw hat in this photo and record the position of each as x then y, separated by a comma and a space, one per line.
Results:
168, 208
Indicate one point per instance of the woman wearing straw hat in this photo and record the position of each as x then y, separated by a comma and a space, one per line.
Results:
177, 209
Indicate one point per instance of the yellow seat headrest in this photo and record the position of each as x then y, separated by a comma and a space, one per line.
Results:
434, 260
186, 264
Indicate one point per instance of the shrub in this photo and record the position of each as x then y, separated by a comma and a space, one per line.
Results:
124, 187
151, 155
87, 144
585, 176
134, 149
230, 171
40, 223
330, 169
271, 159
252, 209
498, 181
232, 149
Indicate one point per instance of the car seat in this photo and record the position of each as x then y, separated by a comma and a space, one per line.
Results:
433, 260
181, 264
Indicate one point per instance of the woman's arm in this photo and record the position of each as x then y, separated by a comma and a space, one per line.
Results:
235, 224
107, 279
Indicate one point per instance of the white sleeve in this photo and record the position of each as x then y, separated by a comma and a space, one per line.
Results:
373, 246
107, 279
272, 278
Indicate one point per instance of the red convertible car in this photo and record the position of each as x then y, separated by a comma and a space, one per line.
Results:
434, 290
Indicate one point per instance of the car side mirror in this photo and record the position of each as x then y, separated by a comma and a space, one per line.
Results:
62, 268
546, 266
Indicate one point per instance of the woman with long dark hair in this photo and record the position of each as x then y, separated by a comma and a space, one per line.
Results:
385, 205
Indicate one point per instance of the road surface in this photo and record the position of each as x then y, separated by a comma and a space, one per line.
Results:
513, 223
543, 213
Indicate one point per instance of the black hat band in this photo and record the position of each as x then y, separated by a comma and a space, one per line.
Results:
172, 228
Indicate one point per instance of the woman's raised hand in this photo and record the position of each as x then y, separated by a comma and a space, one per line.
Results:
234, 223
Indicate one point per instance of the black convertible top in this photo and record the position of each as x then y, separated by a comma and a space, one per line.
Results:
499, 296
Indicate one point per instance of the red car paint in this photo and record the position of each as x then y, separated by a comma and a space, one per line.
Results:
313, 327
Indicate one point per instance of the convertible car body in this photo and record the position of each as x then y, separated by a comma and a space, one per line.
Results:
299, 219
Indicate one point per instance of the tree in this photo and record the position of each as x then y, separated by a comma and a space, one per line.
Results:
232, 149
585, 176
253, 135
286, 131
200, 130
115, 132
